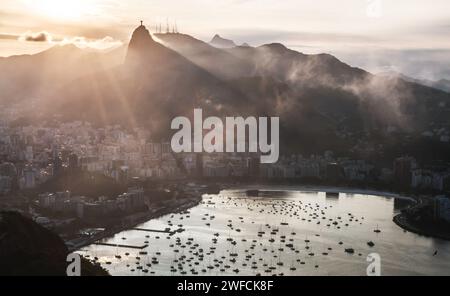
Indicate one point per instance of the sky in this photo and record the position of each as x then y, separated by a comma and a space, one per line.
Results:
363, 32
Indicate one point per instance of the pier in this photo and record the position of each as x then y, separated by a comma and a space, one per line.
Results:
155, 230
122, 246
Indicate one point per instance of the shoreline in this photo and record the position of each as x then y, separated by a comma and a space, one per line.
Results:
189, 203
402, 221
399, 220
323, 188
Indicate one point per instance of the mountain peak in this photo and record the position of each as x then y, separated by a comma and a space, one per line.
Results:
141, 36
220, 42
275, 46
140, 44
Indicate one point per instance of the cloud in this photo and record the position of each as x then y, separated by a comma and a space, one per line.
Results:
36, 37
79, 41
101, 44
8, 37
429, 64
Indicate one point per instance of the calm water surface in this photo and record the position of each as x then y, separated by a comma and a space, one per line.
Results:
284, 232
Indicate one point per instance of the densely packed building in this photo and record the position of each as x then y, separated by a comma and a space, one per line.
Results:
32, 154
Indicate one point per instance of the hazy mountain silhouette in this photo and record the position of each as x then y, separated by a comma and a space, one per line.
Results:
37, 76
220, 42
318, 96
215, 60
154, 85
442, 84
323, 103
377, 100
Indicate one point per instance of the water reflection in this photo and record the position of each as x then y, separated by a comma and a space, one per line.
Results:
332, 195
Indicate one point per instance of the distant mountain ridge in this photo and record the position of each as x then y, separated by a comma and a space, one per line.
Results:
220, 42
215, 60
442, 84
36, 76
318, 97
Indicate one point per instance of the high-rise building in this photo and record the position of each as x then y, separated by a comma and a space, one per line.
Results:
73, 162
335, 172
403, 167
29, 177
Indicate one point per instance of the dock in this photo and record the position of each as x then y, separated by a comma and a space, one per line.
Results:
122, 246
155, 230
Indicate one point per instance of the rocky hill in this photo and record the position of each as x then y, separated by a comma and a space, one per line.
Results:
27, 249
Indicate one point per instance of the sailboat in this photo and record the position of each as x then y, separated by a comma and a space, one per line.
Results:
377, 230
293, 268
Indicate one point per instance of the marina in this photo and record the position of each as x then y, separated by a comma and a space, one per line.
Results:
294, 233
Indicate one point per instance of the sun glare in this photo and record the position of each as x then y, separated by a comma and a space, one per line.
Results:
61, 9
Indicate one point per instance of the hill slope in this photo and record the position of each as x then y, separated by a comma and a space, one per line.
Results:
27, 249
37, 76
154, 85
